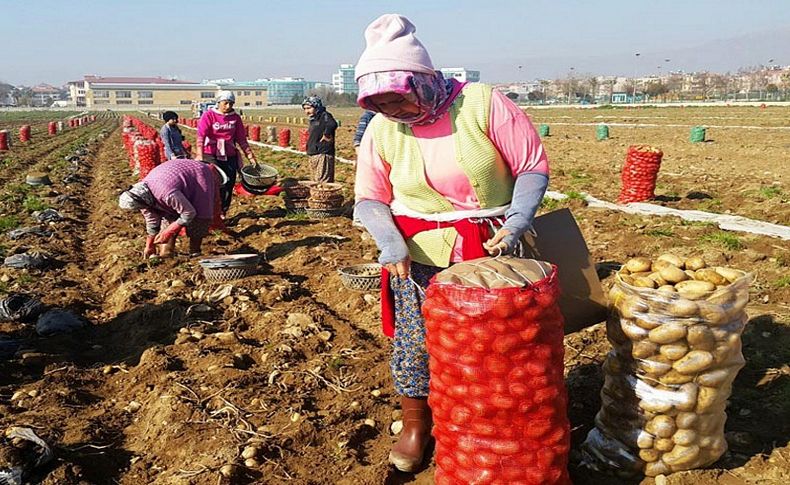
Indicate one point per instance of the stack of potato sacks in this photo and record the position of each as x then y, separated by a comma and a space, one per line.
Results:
675, 326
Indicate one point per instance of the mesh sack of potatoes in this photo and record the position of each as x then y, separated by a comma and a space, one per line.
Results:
675, 326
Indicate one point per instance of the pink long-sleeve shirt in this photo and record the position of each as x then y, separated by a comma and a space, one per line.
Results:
218, 133
509, 129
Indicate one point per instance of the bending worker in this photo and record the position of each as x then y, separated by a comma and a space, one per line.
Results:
179, 193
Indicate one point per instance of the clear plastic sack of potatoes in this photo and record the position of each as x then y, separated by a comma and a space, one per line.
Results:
675, 326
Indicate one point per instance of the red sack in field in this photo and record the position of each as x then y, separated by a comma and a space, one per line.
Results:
497, 391
639, 174
255, 133
284, 138
304, 135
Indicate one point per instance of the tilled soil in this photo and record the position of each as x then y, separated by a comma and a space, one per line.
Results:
176, 375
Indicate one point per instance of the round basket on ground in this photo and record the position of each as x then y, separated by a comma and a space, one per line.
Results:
323, 213
295, 205
362, 277
259, 176
333, 203
299, 190
325, 191
229, 267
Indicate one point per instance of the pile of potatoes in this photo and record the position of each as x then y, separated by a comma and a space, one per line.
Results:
675, 326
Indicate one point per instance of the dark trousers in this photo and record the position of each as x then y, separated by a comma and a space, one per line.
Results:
228, 167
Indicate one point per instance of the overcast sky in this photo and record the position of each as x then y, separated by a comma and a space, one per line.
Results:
510, 40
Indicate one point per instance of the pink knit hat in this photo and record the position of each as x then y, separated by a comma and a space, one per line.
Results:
392, 46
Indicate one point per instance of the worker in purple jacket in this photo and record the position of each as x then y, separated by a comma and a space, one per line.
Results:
219, 131
179, 193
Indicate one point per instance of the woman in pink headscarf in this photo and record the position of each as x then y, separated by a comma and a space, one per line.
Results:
441, 163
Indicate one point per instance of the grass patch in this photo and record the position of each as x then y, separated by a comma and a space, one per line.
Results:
782, 282
25, 279
724, 239
33, 203
8, 222
769, 192
660, 232
297, 216
574, 195
710, 205
549, 204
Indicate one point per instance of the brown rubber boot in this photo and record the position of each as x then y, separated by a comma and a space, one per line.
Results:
408, 453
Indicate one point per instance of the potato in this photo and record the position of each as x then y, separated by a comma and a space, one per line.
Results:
632, 306
664, 444
655, 276
674, 378
657, 468
615, 295
638, 265
710, 424
724, 352
713, 314
644, 440
694, 362
687, 397
710, 399
654, 367
654, 406
672, 259
681, 455
661, 426
722, 297
644, 349
682, 308
710, 275
649, 455
673, 274
667, 333
645, 282
674, 351
717, 447
649, 321
684, 437
658, 264
689, 273
731, 275
686, 420
627, 279
632, 330
700, 337
694, 290
695, 262
717, 377
667, 289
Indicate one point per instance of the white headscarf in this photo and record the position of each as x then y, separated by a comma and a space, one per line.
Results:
138, 196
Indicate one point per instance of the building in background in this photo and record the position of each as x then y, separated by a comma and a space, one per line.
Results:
44, 95
461, 74
343, 80
248, 93
105, 92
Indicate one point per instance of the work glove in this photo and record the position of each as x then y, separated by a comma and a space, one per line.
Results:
150, 247
170, 232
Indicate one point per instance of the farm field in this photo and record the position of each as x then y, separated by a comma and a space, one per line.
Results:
176, 376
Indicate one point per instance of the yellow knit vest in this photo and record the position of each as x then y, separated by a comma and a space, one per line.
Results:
476, 155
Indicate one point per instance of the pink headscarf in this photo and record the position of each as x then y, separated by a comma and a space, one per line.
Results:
430, 92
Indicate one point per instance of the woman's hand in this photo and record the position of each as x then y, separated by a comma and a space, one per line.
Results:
150, 247
496, 246
401, 269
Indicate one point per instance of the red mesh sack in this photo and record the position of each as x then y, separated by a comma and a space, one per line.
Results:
24, 133
3, 140
284, 137
146, 155
187, 148
304, 135
639, 174
52, 128
255, 133
497, 392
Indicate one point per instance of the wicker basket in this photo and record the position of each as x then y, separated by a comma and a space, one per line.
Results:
228, 274
331, 203
295, 205
259, 176
325, 191
323, 213
362, 277
300, 190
